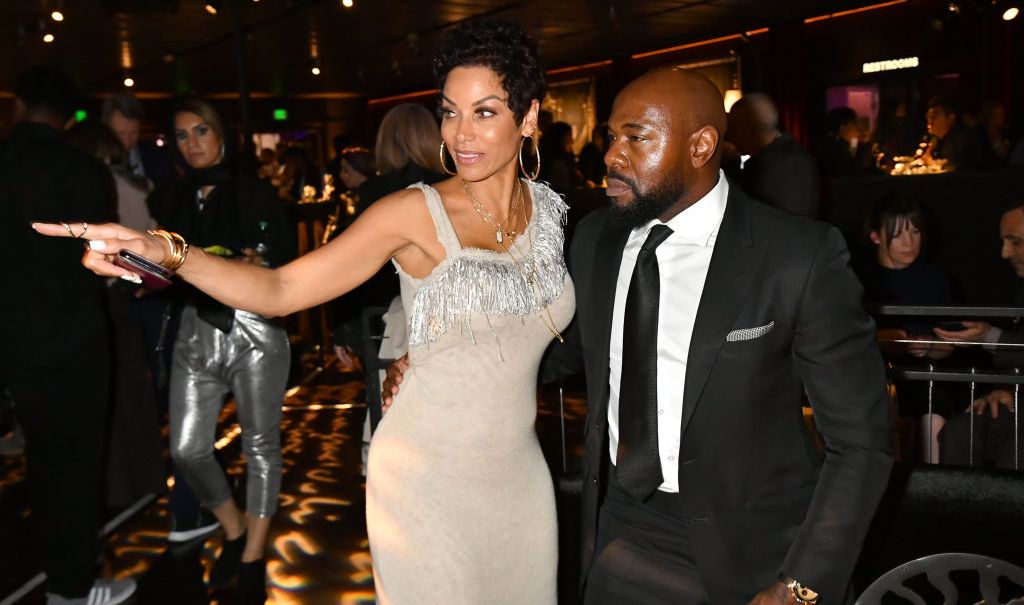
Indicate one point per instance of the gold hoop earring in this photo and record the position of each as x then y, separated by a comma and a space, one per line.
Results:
536, 150
444, 166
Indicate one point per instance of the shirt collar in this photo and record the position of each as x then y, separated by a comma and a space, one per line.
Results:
698, 224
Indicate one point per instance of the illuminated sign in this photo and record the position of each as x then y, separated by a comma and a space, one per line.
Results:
891, 65
280, 114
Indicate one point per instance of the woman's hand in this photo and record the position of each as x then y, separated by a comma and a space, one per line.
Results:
973, 331
103, 242
928, 349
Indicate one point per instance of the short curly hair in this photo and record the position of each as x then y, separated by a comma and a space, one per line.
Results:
502, 46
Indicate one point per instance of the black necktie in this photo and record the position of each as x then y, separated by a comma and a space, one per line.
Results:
638, 465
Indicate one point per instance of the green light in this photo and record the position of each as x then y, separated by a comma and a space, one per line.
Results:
81, 115
280, 114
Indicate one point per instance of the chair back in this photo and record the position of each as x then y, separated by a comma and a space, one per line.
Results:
995, 580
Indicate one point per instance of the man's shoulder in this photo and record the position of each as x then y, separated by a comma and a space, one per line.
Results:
592, 224
782, 227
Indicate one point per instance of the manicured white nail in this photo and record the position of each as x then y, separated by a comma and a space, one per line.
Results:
97, 244
135, 279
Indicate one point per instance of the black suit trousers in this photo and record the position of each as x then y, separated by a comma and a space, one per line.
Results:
63, 413
644, 554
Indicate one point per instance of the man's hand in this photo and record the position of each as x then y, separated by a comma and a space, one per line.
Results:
776, 594
992, 401
974, 331
394, 378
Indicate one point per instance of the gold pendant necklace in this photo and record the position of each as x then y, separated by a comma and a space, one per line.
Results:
501, 231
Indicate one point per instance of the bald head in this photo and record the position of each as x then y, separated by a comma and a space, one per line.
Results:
663, 151
687, 95
753, 123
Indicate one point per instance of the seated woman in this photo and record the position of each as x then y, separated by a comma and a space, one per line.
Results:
900, 276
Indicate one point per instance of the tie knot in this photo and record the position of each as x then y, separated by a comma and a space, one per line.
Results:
655, 237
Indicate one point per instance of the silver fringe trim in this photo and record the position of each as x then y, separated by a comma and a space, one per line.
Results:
471, 284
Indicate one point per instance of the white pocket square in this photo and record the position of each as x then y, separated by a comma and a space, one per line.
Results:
749, 333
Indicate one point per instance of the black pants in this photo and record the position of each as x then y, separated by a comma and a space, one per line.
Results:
644, 555
993, 440
63, 412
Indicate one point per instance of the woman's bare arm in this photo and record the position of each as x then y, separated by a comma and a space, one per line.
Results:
397, 225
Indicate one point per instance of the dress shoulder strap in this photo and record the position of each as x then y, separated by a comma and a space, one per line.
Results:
442, 224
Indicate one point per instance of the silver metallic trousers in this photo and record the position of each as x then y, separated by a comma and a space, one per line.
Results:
251, 362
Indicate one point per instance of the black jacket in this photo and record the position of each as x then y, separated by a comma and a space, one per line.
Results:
783, 175
52, 309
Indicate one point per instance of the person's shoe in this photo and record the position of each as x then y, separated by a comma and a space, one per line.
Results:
185, 528
13, 443
103, 592
225, 568
251, 588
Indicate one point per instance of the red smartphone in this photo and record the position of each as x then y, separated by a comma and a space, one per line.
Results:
153, 275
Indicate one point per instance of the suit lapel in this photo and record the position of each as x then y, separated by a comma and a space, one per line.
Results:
734, 262
607, 259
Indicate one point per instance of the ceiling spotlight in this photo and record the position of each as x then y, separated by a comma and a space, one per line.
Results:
57, 16
211, 7
48, 38
1011, 13
128, 82
316, 70
347, 3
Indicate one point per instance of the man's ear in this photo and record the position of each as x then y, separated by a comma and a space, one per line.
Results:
704, 145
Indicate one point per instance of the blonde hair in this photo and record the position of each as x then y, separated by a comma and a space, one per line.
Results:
408, 133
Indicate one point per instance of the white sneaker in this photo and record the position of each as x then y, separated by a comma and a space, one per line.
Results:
103, 592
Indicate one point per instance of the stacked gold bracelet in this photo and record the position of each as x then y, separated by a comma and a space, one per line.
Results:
177, 245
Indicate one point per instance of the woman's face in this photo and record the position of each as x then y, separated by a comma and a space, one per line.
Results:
477, 126
350, 176
197, 142
902, 249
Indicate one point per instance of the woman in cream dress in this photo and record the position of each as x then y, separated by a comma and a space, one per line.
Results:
460, 505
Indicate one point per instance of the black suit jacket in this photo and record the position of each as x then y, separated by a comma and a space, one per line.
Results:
52, 311
783, 175
758, 498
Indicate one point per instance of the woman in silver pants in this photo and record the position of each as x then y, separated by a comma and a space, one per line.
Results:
251, 361
220, 349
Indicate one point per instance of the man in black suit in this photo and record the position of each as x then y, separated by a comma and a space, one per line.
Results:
702, 317
779, 172
123, 113
54, 349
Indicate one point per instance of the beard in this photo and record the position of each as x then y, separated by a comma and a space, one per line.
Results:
649, 205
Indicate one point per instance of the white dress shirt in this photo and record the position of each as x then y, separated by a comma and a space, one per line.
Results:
683, 261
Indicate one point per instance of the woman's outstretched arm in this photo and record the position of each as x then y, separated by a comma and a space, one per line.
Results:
398, 225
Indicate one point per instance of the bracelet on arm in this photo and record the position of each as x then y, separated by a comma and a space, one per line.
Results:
177, 247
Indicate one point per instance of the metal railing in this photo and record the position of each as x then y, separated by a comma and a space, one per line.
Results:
971, 375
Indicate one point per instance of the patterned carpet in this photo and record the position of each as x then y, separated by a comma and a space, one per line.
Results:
318, 552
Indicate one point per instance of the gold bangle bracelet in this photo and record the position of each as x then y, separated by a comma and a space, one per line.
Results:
177, 248
170, 245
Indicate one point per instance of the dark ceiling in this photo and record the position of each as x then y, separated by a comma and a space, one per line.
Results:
375, 48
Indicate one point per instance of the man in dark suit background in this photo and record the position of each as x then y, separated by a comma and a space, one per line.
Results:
54, 348
990, 437
702, 316
779, 172
123, 113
